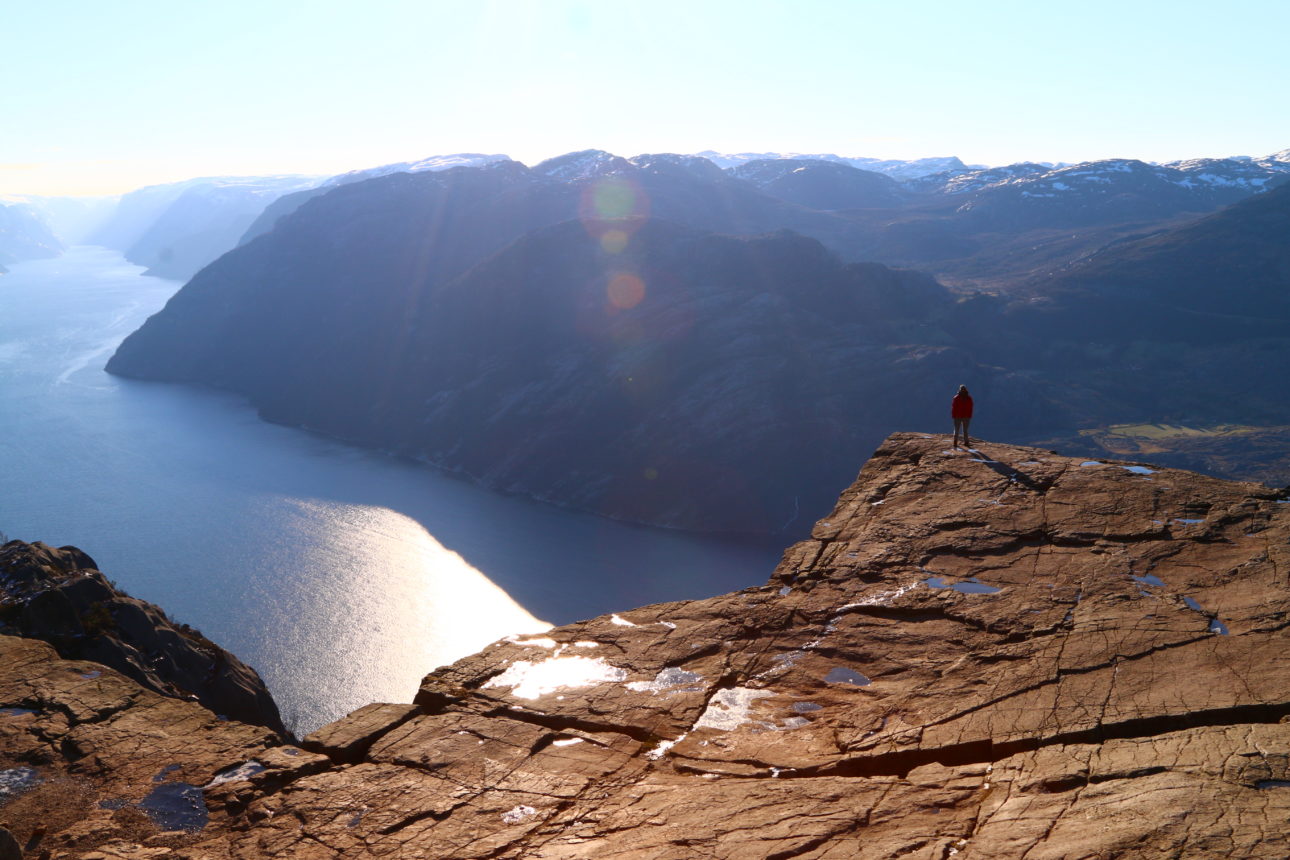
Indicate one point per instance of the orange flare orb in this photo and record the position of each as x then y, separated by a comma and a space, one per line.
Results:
625, 291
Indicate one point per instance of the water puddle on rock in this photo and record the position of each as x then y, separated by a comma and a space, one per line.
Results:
176, 806
968, 586
15, 712
843, 675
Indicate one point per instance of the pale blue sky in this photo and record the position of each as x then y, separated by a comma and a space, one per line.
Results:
102, 97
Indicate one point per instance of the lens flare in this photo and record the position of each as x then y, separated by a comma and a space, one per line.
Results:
625, 291
614, 198
613, 241
611, 209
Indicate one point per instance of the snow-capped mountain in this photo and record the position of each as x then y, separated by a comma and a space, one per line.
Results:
1239, 175
963, 181
581, 165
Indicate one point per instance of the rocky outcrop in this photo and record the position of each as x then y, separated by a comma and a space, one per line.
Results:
60, 596
990, 653
93, 765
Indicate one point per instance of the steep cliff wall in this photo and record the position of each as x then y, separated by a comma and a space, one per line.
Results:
995, 653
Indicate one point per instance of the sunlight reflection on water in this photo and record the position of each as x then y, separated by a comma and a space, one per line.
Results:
430, 608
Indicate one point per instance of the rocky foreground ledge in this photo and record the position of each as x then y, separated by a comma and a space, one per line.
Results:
994, 654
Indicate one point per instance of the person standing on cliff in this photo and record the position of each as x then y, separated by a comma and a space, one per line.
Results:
961, 412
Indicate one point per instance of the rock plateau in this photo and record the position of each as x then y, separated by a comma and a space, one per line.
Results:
996, 653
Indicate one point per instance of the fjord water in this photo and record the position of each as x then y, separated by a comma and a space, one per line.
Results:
342, 575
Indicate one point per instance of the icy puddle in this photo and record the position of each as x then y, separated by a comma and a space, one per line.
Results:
530, 680
672, 679
730, 708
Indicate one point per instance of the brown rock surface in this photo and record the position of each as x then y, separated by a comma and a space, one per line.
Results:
990, 654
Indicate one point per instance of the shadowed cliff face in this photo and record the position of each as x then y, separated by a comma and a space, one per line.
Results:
994, 653
662, 374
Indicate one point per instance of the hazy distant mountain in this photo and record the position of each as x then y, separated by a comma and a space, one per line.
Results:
24, 235
820, 184
903, 169
71, 219
176, 229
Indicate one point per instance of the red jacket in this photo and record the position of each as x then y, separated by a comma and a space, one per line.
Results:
961, 406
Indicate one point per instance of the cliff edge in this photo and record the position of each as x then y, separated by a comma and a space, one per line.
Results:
991, 653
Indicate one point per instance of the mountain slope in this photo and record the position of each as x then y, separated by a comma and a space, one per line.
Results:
1234, 262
